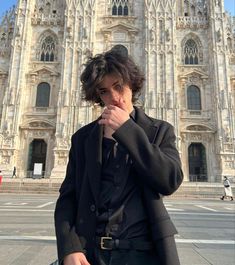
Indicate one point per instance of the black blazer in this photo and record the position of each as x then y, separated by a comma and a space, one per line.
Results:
156, 166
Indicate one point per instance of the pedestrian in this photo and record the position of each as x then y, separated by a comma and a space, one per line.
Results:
14, 172
0, 177
110, 208
228, 193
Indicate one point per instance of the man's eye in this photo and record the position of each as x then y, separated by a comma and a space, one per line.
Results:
102, 92
118, 87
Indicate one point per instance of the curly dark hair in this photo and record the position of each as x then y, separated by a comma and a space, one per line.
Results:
113, 61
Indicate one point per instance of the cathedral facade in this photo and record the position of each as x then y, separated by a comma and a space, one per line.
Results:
186, 48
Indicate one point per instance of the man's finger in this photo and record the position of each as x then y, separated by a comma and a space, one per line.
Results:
106, 111
85, 262
110, 107
105, 115
122, 104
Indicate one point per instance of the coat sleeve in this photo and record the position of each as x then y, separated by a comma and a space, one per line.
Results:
66, 211
157, 163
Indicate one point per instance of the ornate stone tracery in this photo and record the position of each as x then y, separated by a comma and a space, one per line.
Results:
48, 12
6, 32
195, 8
47, 47
192, 50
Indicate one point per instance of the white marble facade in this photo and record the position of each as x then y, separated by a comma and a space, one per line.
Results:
185, 47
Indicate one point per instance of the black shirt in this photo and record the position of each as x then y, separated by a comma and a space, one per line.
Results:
120, 199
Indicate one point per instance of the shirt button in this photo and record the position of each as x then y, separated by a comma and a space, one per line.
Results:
117, 166
92, 207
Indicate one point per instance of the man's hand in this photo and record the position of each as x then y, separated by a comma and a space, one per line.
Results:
108, 132
114, 117
77, 258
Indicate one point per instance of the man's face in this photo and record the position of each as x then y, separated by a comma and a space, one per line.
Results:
113, 92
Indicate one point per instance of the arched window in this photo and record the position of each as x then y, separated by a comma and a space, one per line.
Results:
194, 98
125, 10
43, 95
121, 49
3, 40
114, 10
186, 8
120, 8
3, 37
47, 9
193, 10
190, 52
48, 50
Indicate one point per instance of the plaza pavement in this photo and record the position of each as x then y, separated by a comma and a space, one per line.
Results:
208, 238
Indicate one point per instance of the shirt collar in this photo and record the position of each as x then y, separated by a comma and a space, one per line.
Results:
133, 114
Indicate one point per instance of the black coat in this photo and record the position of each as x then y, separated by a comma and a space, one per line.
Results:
156, 166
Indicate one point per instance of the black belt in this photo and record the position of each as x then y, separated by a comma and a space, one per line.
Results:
109, 243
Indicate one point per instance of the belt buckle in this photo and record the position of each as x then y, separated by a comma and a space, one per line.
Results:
102, 242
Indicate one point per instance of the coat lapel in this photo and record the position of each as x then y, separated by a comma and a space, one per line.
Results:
93, 149
147, 124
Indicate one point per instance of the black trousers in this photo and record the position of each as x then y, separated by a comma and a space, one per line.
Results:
126, 257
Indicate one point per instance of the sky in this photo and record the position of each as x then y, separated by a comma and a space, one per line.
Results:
6, 4
229, 5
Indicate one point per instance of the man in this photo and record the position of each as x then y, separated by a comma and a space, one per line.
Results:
14, 173
110, 208
228, 193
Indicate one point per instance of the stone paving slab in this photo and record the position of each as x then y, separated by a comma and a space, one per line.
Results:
204, 255
44, 253
27, 253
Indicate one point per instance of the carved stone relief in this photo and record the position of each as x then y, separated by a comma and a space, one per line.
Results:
8, 142
197, 128
228, 161
6, 156
47, 13
62, 143
5, 160
39, 124
61, 158
196, 137
36, 134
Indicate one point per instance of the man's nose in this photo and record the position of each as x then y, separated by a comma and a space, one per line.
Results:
115, 96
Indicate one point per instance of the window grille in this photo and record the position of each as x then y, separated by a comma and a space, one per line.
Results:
120, 8
191, 52
48, 50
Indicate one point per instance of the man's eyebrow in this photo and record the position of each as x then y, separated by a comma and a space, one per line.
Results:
115, 83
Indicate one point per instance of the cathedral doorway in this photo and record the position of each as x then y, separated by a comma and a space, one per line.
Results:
37, 155
197, 162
